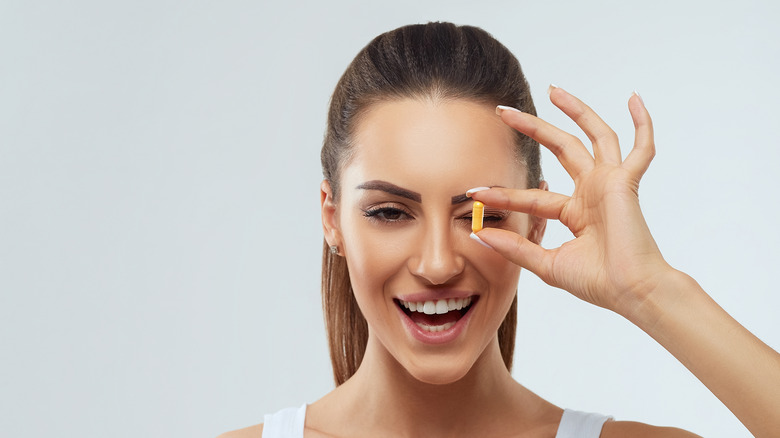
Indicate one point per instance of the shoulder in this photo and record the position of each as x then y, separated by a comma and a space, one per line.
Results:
616, 429
247, 432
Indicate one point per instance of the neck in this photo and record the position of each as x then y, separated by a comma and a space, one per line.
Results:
382, 396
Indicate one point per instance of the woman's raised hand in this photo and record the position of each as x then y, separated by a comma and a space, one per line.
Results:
612, 261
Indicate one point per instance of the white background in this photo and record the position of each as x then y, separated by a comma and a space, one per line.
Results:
159, 227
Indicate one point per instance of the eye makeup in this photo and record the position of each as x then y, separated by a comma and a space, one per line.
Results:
386, 213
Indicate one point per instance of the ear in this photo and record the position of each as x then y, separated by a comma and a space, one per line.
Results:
538, 224
329, 217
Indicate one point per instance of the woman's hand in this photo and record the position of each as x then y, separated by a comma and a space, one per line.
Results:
613, 260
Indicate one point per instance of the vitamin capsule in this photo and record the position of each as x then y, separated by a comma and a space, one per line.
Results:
477, 216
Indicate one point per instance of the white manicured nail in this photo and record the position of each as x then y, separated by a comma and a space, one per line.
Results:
639, 96
501, 108
475, 237
470, 192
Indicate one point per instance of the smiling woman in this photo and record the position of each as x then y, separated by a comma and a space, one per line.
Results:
421, 312
403, 222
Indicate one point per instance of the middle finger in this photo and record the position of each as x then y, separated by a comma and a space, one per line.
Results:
569, 150
606, 146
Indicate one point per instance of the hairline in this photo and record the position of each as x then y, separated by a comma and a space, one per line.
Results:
435, 96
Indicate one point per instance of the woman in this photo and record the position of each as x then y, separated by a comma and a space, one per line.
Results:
421, 313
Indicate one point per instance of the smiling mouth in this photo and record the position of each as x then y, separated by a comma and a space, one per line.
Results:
438, 315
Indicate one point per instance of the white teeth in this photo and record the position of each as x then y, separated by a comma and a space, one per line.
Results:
437, 307
436, 328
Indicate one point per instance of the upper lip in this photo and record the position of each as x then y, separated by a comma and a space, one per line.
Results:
435, 295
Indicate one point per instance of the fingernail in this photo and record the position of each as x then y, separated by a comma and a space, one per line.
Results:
639, 96
550, 88
470, 192
475, 237
501, 108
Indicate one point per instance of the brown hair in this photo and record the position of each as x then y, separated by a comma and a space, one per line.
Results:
434, 60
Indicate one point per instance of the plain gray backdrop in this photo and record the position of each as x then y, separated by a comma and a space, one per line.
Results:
160, 237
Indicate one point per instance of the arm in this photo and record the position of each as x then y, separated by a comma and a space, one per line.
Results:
613, 261
255, 431
742, 371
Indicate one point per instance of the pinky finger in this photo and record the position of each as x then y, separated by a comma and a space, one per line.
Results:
638, 160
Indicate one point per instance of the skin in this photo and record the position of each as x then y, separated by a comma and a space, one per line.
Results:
439, 149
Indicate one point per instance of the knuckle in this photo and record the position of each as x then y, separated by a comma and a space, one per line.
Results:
533, 207
570, 143
650, 149
504, 199
518, 250
607, 136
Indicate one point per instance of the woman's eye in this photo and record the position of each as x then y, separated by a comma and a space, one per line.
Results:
488, 218
387, 214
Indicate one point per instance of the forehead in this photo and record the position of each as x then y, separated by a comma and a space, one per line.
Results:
443, 142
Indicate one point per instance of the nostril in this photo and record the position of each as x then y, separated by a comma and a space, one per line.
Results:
437, 260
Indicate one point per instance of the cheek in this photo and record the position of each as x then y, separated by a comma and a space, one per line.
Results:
501, 274
373, 258
375, 263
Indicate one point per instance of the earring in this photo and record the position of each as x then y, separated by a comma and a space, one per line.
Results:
334, 250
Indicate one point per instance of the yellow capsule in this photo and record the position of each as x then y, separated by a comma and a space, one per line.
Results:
477, 216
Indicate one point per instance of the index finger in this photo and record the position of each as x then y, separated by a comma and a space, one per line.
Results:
536, 202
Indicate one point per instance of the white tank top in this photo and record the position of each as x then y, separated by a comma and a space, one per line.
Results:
288, 423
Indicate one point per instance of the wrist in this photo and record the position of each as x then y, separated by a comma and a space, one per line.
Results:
663, 292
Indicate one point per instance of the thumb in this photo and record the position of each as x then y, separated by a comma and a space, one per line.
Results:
517, 249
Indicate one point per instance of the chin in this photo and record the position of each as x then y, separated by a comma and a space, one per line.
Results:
440, 371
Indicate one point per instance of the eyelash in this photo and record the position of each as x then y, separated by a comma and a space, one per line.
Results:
380, 214
494, 218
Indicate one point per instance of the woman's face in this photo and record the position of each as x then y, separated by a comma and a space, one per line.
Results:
403, 223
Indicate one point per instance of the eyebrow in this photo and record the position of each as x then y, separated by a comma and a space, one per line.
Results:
393, 189
459, 199
390, 188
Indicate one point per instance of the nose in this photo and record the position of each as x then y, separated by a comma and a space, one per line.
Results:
436, 259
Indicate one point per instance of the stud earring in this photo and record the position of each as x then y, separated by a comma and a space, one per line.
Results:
334, 250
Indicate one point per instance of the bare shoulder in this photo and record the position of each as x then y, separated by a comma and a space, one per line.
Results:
617, 429
247, 432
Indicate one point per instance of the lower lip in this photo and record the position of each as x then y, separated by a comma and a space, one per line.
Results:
441, 337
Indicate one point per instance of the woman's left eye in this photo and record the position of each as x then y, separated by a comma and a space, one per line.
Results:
386, 214
488, 218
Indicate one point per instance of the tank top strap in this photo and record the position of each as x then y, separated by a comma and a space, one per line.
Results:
576, 424
287, 423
